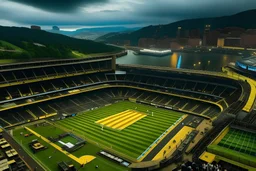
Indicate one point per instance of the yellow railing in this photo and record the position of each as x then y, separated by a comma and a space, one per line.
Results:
250, 102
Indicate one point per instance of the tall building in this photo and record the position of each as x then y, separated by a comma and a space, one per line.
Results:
212, 38
221, 42
178, 32
207, 29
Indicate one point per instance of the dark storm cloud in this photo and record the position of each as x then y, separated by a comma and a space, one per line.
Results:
186, 9
114, 12
59, 5
110, 11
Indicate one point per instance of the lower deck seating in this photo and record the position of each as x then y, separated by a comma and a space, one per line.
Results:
89, 100
180, 87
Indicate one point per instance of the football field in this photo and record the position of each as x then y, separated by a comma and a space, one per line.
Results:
125, 127
122, 119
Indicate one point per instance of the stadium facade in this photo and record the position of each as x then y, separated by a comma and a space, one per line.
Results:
247, 64
57, 89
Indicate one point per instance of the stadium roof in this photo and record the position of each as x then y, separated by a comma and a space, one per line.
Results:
250, 61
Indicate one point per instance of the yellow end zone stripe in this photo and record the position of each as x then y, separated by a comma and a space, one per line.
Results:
128, 121
121, 119
112, 116
117, 118
128, 124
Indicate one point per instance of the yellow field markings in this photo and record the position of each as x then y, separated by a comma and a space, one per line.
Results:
82, 160
117, 119
131, 120
121, 120
172, 145
111, 117
116, 122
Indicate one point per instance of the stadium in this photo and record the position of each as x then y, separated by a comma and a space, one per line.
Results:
247, 63
245, 66
91, 113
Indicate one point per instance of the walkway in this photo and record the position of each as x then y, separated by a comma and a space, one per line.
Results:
250, 103
167, 138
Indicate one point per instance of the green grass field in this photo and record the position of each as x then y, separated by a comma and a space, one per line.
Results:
237, 145
240, 141
130, 142
50, 164
8, 46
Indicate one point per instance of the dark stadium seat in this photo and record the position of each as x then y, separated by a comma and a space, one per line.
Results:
40, 73
8, 76
189, 93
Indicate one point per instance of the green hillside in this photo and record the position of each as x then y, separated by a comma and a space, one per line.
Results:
242, 20
26, 44
9, 47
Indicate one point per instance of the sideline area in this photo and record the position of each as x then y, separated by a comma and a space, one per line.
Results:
82, 160
172, 145
150, 154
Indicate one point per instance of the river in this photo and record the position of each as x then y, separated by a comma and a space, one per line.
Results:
198, 61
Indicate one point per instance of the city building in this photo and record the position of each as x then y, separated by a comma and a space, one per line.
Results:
194, 42
232, 42
34, 27
175, 46
211, 38
248, 39
221, 42
247, 64
178, 32
207, 29
163, 43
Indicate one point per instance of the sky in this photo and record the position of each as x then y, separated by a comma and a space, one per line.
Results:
73, 14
